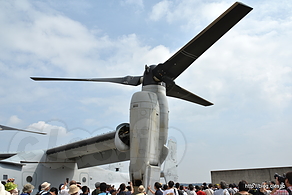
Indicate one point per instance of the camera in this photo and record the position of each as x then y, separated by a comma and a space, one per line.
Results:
281, 179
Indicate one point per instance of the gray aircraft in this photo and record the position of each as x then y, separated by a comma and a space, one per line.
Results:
56, 164
143, 139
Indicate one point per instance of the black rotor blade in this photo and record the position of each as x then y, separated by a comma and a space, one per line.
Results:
178, 92
127, 80
181, 60
2, 127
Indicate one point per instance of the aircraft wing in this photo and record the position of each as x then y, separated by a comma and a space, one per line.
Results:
90, 152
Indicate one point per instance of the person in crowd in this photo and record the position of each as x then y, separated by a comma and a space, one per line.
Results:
182, 188
176, 186
164, 187
11, 187
288, 186
170, 190
113, 191
2, 190
123, 191
97, 189
230, 189
264, 189
215, 187
242, 188
141, 190
85, 190
103, 188
222, 189
191, 190
235, 188
11, 181
73, 189
65, 190
272, 185
199, 190
54, 191
27, 189
157, 188
209, 190
45, 188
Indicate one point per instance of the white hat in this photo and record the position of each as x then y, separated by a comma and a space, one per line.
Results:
45, 185
141, 189
73, 189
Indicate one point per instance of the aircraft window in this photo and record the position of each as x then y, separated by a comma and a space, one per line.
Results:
29, 179
84, 179
5, 177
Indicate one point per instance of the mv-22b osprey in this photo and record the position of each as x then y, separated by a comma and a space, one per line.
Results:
146, 134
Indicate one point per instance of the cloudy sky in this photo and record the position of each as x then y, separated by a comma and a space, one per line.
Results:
247, 74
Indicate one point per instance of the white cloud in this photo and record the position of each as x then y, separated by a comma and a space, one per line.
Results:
14, 121
51, 130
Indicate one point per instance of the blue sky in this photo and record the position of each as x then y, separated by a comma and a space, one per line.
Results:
247, 74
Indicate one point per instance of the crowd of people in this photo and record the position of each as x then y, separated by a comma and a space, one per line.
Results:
284, 187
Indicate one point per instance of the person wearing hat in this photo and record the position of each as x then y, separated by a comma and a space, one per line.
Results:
45, 189
97, 189
141, 190
2, 190
11, 187
73, 189
65, 190
27, 189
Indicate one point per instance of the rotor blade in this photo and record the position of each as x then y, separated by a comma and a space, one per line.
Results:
127, 80
178, 92
2, 127
181, 60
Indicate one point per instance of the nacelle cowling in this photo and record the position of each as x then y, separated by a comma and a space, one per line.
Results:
122, 137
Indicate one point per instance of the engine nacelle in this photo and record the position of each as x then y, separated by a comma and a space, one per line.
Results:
122, 137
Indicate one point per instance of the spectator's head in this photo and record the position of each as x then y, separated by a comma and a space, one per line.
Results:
85, 189
73, 189
210, 185
157, 185
60, 186
242, 186
54, 191
288, 180
164, 187
97, 184
10, 180
177, 185
27, 188
122, 187
10, 187
45, 186
72, 182
170, 184
191, 187
141, 189
223, 185
198, 188
103, 187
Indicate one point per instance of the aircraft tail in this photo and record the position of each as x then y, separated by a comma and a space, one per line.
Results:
170, 165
